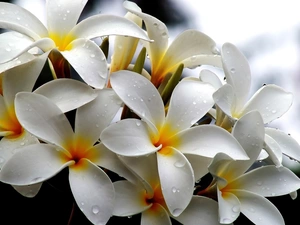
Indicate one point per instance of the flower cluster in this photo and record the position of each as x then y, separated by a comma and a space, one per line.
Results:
160, 132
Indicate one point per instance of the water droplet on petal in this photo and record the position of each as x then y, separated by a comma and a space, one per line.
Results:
232, 70
225, 220
177, 211
179, 163
236, 209
95, 209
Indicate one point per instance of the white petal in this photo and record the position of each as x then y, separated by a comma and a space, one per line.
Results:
271, 101
104, 25
225, 99
14, 17
201, 210
177, 180
28, 191
45, 44
125, 47
288, 145
145, 167
249, 132
62, 16
268, 181
11, 43
259, 209
89, 62
109, 160
96, 115
199, 164
130, 199
93, 191
195, 43
41, 117
207, 141
189, 102
33, 164
211, 78
22, 78
9, 145
237, 72
140, 95
157, 215
204, 59
67, 94
229, 207
129, 137
156, 31
273, 150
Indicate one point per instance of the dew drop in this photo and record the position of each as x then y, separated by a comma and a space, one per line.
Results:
236, 209
179, 163
274, 111
92, 55
177, 211
232, 70
95, 209
259, 183
174, 190
225, 220
138, 123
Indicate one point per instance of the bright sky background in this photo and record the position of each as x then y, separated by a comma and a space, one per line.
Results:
267, 32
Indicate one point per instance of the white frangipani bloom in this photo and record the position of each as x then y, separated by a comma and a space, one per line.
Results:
232, 98
165, 57
145, 197
242, 191
170, 137
63, 35
91, 187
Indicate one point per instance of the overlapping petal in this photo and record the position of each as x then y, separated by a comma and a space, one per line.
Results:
130, 199
28, 191
96, 115
156, 215
139, 94
9, 146
11, 43
229, 207
189, 102
177, 190
65, 13
259, 209
16, 18
128, 137
237, 72
103, 25
88, 60
271, 101
225, 99
288, 145
67, 94
201, 140
93, 191
21, 78
41, 117
201, 210
267, 181
24, 169
156, 30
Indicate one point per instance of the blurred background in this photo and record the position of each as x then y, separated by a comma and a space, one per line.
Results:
267, 32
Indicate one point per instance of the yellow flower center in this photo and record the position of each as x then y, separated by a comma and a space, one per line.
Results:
10, 123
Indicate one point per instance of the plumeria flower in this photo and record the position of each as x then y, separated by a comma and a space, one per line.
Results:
242, 190
125, 47
232, 98
146, 197
168, 137
191, 48
232, 103
63, 37
78, 150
